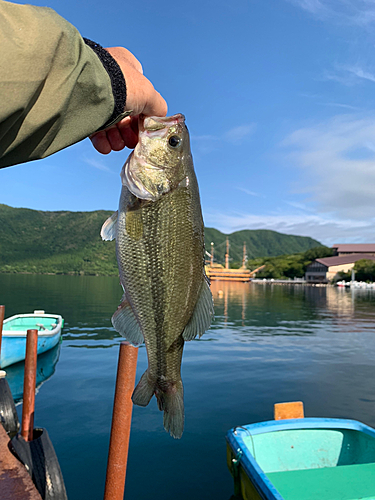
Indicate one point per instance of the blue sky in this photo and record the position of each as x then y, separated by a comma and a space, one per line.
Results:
279, 98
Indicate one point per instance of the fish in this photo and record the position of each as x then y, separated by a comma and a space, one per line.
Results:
159, 235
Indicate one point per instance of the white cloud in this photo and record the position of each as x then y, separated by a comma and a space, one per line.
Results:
323, 227
349, 75
247, 191
339, 105
337, 160
300, 206
236, 135
334, 163
353, 12
361, 73
314, 6
97, 164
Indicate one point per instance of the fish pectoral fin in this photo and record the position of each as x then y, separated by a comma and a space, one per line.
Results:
126, 324
202, 315
108, 232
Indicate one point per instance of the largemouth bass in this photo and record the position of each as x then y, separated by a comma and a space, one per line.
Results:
160, 253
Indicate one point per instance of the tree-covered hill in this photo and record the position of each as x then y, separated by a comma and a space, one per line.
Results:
69, 242
54, 242
259, 243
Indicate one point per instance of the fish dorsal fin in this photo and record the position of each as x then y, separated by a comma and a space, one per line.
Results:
202, 315
126, 324
108, 232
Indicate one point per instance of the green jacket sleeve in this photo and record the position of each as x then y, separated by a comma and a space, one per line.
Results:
55, 89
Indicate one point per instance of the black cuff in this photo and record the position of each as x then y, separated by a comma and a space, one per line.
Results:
116, 76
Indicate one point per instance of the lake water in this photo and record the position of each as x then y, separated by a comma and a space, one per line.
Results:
267, 344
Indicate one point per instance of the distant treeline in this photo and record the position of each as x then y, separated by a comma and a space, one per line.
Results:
37, 242
364, 271
288, 266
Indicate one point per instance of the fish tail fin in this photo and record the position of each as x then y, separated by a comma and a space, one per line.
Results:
144, 391
172, 402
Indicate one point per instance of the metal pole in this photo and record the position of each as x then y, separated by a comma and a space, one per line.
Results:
121, 423
29, 385
2, 314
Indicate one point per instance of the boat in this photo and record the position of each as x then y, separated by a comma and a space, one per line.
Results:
303, 459
13, 344
217, 272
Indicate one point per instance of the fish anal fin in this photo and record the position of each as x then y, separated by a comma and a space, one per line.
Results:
144, 391
201, 318
126, 324
108, 231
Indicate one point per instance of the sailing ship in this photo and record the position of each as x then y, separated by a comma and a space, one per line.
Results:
217, 272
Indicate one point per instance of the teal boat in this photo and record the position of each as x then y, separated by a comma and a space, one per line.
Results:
303, 459
13, 345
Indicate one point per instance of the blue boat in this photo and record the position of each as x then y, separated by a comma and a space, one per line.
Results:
13, 345
303, 459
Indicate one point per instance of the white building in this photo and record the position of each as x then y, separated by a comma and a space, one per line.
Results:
326, 269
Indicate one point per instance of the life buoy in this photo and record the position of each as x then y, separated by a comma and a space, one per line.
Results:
40, 460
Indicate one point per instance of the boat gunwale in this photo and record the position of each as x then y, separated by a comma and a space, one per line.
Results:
252, 469
41, 333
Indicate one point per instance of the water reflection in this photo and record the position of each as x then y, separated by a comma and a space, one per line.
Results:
235, 292
251, 310
46, 365
267, 344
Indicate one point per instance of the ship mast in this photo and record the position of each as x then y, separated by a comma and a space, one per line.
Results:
212, 254
227, 256
244, 258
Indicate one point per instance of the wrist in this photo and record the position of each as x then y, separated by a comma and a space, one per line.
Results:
117, 81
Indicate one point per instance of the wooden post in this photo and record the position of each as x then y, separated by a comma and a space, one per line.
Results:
29, 383
121, 423
2, 314
283, 411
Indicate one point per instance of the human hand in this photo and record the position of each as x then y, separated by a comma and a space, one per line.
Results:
141, 99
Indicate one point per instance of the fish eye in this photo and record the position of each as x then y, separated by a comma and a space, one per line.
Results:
174, 141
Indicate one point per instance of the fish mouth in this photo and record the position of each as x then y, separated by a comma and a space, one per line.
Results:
155, 123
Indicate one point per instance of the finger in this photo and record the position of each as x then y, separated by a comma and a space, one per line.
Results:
115, 140
134, 124
101, 143
128, 128
129, 137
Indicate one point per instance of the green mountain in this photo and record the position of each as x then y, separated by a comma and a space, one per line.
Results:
259, 243
39, 242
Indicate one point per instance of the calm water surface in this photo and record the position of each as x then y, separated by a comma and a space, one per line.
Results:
267, 344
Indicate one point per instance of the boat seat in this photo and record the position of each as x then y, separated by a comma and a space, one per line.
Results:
344, 482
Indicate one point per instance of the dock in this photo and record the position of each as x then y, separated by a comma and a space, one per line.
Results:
16, 483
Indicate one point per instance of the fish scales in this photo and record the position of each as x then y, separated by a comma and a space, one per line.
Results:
160, 252
157, 265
